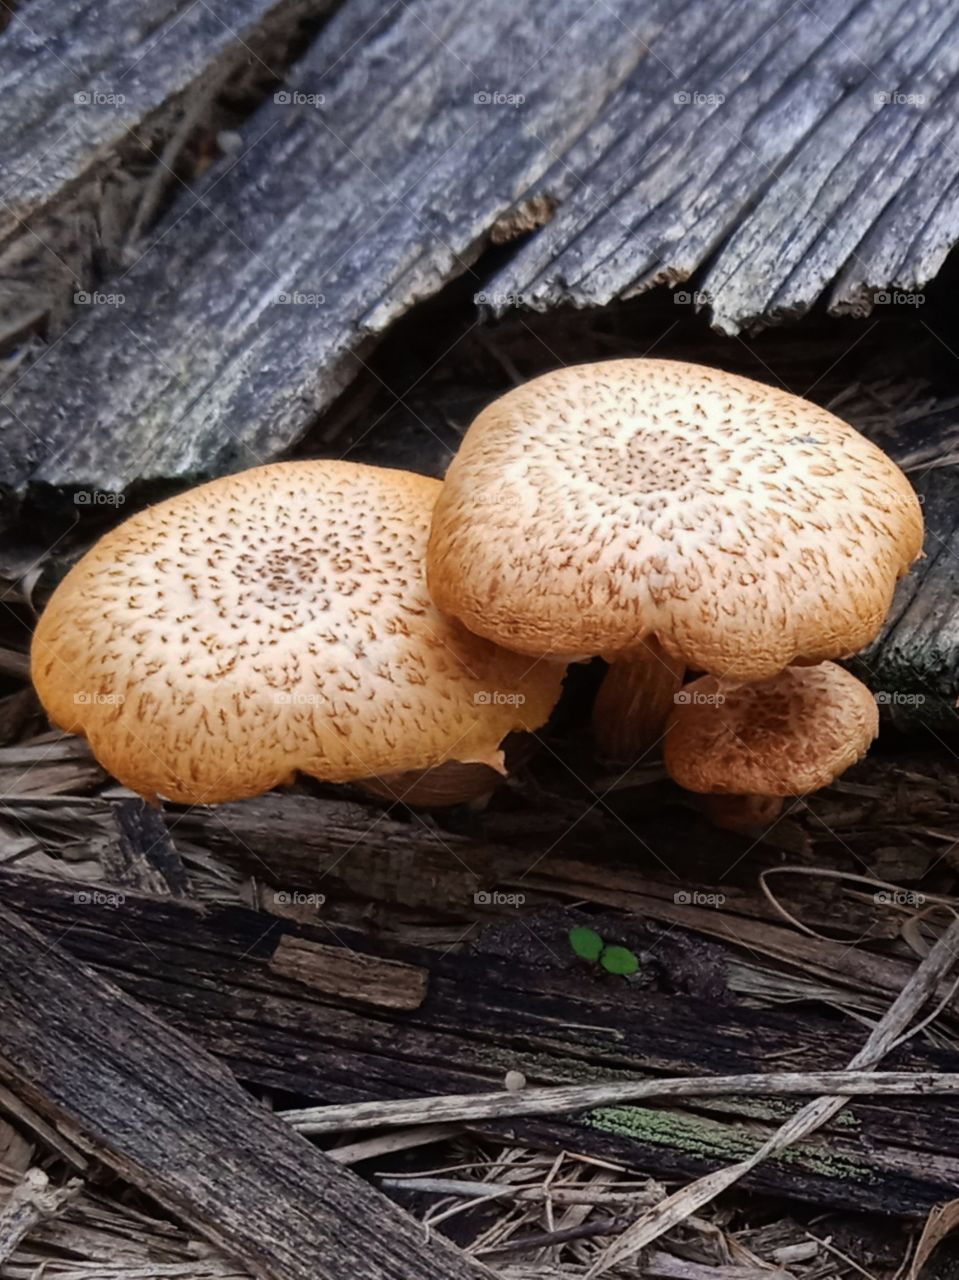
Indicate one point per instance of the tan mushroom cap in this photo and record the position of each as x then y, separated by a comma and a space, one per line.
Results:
786, 736
272, 622
606, 503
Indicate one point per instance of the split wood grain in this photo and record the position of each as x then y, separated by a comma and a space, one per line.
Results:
138, 1095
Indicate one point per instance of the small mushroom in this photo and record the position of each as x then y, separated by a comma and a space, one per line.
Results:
277, 622
745, 746
666, 516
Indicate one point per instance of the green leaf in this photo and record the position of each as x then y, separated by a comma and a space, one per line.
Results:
587, 943
619, 960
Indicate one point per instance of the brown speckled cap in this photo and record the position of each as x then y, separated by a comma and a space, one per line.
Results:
786, 736
273, 622
602, 504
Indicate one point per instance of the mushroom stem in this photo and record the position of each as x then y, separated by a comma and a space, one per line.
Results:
743, 814
634, 701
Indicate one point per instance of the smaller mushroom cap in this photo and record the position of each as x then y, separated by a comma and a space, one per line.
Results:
273, 622
786, 736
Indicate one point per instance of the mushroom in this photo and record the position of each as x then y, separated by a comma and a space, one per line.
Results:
273, 622
745, 746
665, 516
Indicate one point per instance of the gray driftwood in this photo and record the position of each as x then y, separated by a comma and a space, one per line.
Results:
373, 178
99, 102
79, 80
143, 1099
782, 146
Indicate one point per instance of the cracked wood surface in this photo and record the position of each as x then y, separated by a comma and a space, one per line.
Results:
777, 151
209, 971
370, 186
81, 80
131, 1090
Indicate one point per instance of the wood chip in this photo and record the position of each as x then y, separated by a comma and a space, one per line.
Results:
337, 971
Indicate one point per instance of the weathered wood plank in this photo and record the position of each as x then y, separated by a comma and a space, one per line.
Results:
912, 237
811, 221
914, 663
140, 1096
704, 115
100, 101
778, 146
210, 972
263, 289
810, 145
79, 76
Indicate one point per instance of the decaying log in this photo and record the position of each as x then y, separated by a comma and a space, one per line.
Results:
209, 972
99, 103
312, 844
802, 145
77, 82
144, 856
914, 664
142, 1098
265, 286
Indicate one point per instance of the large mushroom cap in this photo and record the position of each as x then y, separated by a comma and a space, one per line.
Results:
271, 622
786, 736
603, 504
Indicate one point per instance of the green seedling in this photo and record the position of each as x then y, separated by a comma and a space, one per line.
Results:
619, 960
587, 943
589, 946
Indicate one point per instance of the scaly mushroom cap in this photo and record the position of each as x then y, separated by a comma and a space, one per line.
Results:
271, 622
786, 736
604, 503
